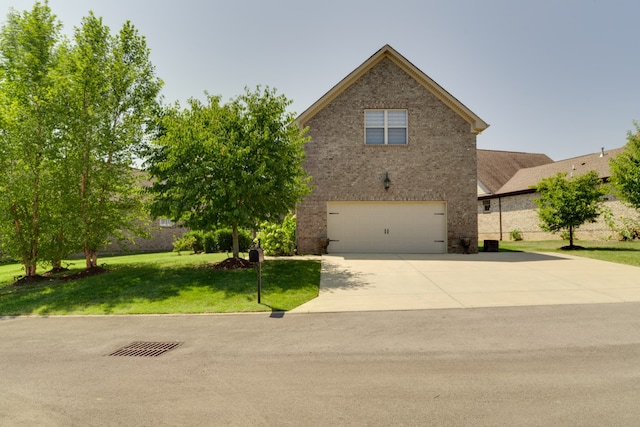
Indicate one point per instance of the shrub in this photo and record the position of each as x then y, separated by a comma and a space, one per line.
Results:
565, 235
516, 235
212, 241
279, 238
192, 240
198, 245
224, 240
246, 240
626, 228
6, 259
209, 242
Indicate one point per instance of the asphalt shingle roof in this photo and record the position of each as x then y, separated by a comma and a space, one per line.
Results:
496, 168
524, 179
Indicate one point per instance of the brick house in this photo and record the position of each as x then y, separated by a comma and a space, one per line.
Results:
393, 161
161, 231
507, 204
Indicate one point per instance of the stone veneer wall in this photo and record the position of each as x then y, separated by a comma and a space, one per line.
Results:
437, 164
519, 213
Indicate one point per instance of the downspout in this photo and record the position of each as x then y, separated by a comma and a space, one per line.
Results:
500, 213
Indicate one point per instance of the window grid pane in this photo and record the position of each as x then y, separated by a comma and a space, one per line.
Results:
397, 136
375, 118
375, 136
397, 118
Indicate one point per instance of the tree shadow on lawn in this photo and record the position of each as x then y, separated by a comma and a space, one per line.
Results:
136, 289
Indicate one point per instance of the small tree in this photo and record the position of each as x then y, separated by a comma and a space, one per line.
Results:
112, 95
29, 113
566, 204
625, 170
234, 165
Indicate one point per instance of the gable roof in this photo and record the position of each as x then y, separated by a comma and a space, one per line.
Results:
476, 123
496, 168
524, 179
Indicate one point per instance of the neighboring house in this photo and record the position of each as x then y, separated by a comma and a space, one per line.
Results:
496, 168
393, 161
510, 207
162, 231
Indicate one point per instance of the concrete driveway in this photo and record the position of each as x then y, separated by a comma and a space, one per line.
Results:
371, 282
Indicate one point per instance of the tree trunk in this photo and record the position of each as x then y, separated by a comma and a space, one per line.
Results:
35, 224
29, 269
87, 258
571, 236
91, 258
236, 241
26, 261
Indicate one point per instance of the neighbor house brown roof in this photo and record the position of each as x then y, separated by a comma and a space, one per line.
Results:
524, 179
496, 168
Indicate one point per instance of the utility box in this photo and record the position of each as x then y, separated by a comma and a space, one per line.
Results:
491, 246
256, 255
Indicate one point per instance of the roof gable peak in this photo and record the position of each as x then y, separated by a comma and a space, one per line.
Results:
476, 123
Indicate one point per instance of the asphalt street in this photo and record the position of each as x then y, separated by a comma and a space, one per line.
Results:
570, 365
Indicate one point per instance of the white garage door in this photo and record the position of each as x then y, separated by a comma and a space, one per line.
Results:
387, 227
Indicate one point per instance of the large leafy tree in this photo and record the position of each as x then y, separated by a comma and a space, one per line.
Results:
625, 170
29, 116
567, 203
112, 96
234, 165
73, 116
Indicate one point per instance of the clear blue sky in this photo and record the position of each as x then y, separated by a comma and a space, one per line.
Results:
559, 77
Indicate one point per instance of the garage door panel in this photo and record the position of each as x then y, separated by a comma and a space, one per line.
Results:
401, 227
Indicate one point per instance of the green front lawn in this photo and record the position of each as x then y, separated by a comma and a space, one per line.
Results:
163, 283
613, 251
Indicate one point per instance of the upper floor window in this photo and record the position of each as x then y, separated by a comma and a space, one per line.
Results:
165, 222
385, 127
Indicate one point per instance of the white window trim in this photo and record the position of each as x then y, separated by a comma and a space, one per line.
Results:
165, 222
387, 126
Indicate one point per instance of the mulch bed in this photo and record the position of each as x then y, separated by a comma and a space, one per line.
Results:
93, 271
29, 280
232, 264
54, 271
49, 276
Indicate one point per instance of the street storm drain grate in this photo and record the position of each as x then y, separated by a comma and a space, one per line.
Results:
145, 349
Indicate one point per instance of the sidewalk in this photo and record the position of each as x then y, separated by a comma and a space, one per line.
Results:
372, 282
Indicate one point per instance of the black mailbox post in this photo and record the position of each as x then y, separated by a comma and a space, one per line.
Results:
257, 255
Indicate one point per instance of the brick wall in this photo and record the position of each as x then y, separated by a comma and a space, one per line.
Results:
160, 239
437, 164
519, 213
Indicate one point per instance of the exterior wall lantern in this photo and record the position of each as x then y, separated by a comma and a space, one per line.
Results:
387, 181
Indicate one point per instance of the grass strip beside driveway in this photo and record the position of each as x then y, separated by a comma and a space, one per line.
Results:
164, 283
622, 252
